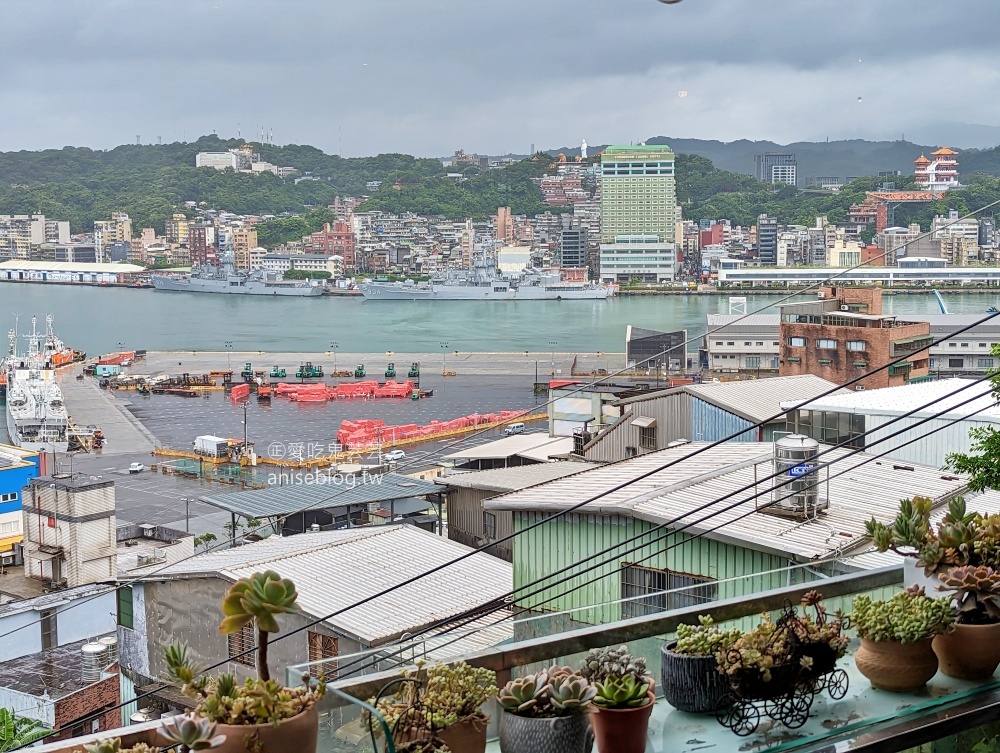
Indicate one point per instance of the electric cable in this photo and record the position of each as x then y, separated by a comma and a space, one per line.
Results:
478, 613
571, 509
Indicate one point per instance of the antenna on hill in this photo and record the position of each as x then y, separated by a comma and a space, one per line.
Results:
238, 132
137, 137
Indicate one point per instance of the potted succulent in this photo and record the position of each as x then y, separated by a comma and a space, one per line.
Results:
258, 716
961, 538
624, 700
972, 650
547, 711
689, 674
450, 699
896, 635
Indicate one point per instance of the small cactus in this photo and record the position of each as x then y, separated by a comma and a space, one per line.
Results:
605, 663
556, 691
191, 733
114, 745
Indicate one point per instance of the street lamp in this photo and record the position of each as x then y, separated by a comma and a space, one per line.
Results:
552, 347
333, 346
444, 358
229, 350
121, 346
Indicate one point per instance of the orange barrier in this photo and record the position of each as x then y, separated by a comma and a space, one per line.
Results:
240, 392
368, 433
318, 392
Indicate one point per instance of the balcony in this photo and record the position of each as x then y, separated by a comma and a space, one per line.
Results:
953, 713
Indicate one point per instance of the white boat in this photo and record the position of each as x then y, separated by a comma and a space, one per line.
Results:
36, 413
482, 283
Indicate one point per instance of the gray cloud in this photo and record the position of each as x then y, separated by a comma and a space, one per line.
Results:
430, 76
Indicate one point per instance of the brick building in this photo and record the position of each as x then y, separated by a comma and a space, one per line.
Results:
335, 239
53, 687
843, 334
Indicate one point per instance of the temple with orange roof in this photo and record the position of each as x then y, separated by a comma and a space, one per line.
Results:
939, 173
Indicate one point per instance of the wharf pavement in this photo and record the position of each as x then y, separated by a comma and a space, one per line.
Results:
519, 363
87, 404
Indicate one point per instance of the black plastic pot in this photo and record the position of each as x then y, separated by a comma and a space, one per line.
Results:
692, 683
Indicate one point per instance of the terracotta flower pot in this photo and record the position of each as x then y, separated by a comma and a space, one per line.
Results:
622, 730
897, 667
691, 683
465, 737
297, 734
561, 734
970, 652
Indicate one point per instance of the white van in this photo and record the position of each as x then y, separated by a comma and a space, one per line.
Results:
517, 428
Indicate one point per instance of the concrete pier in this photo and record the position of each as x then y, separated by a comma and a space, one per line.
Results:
88, 405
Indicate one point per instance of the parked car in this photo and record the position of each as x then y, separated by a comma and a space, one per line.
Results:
393, 456
136, 468
517, 428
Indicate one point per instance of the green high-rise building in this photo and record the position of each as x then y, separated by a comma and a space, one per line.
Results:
638, 212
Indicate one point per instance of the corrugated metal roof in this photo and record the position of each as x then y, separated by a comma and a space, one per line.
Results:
541, 445
513, 479
894, 401
683, 493
759, 399
335, 569
279, 500
751, 320
54, 598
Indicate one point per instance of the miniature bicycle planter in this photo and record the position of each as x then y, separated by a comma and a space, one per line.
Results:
785, 689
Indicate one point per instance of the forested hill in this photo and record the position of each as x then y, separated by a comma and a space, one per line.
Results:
152, 182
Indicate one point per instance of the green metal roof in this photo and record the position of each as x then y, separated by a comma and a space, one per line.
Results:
639, 148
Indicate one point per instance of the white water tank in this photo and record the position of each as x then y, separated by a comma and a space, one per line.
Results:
110, 642
93, 661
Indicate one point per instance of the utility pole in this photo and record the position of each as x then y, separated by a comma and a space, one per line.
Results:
333, 346
552, 346
444, 358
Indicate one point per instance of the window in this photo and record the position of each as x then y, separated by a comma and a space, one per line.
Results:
986, 363
489, 525
956, 363
10, 527
753, 362
964, 345
323, 647
759, 344
647, 437
718, 342
857, 345
241, 642
983, 345
125, 618
952, 344
775, 342
746, 342
50, 637
826, 344
730, 343
797, 342
651, 584
12, 497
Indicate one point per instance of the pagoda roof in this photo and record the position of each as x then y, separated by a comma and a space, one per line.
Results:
921, 160
944, 151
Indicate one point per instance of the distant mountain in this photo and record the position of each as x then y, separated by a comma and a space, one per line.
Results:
842, 159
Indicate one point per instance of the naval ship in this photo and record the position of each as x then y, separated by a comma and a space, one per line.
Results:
36, 414
207, 278
482, 283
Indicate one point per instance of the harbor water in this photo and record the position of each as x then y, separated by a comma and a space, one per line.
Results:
97, 319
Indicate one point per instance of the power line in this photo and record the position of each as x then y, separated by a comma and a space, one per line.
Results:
565, 511
472, 615
585, 502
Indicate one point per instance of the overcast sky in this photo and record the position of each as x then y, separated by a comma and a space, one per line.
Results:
426, 77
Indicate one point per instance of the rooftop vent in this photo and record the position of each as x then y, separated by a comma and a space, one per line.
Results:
795, 492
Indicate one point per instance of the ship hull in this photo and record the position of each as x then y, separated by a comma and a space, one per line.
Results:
250, 288
396, 292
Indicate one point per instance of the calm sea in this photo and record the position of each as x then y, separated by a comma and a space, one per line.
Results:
97, 319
